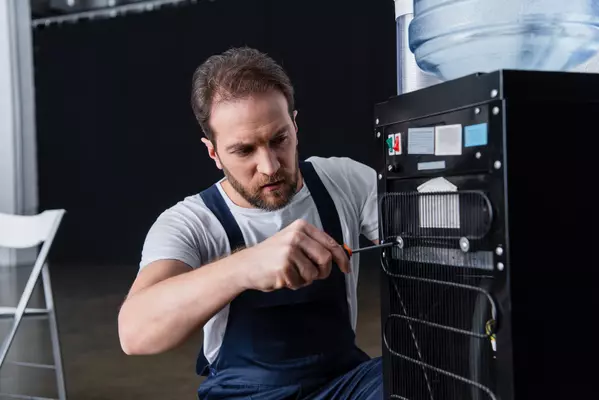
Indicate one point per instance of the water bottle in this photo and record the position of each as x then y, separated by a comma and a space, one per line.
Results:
453, 38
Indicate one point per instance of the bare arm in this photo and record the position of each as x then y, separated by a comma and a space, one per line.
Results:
168, 302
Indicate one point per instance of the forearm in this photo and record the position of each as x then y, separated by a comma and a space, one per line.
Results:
160, 317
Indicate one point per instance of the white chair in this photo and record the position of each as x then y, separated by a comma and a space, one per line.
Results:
21, 232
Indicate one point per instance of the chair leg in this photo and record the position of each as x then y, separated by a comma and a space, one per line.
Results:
23, 301
60, 381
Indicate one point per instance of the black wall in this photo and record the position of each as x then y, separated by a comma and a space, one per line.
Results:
117, 140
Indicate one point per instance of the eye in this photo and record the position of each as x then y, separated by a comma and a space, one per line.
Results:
243, 151
279, 139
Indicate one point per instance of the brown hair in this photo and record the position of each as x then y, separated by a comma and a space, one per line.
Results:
234, 74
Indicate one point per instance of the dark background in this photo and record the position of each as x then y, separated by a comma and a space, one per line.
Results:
117, 140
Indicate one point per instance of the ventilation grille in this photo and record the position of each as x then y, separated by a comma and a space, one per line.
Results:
443, 215
442, 318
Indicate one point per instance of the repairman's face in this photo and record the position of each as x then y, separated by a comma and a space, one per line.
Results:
256, 147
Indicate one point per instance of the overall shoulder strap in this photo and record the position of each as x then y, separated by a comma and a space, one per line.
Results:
215, 202
325, 206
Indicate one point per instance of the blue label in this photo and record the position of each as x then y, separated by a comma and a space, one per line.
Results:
475, 135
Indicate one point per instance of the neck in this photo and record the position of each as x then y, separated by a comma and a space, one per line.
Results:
234, 195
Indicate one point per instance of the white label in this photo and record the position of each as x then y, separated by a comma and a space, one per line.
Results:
441, 211
425, 166
448, 140
421, 140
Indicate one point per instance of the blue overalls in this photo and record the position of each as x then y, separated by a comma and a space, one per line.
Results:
290, 344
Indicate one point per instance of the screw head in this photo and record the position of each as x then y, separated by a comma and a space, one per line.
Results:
494, 93
499, 251
399, 241
464, 244
495, 110
478, 155
497, 164
380, 177
477, 111
377, 121
500, 266
378, 134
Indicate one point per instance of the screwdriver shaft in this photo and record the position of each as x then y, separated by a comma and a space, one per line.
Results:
350, 252
375, 247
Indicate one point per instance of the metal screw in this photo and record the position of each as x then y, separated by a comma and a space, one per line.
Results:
478, 155
495, 110
464, 244
500, 266
499, 251
378, 134
390, 168
377, 121
497, 164
399, 241
494, 93
380, 176
477, 110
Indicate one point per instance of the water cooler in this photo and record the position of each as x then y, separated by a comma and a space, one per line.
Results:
485, 180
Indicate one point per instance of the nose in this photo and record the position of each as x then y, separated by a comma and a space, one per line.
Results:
268, 162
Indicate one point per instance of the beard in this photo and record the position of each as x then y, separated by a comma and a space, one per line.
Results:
270, 200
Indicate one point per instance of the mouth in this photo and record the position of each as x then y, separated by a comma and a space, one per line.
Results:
272, 186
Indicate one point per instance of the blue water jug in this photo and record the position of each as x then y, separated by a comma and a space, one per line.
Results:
453, 38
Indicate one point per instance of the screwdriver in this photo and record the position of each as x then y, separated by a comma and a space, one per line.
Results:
350, 252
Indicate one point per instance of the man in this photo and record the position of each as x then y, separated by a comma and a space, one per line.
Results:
256, 260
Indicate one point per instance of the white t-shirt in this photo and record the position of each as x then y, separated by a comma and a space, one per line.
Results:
189, 232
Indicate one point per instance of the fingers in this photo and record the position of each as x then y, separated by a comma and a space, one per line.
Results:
305, 268
339, 256
293, 279
315, 255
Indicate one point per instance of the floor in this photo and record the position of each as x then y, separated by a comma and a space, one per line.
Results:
87, 301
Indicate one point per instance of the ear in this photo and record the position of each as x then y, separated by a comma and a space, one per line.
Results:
212, 152
294, 120
295, 124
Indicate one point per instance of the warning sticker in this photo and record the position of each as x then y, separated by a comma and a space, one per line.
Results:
448, 140
394, 144
421, 140
390, 141
397, 144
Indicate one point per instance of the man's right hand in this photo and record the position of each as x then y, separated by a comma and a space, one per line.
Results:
293, 258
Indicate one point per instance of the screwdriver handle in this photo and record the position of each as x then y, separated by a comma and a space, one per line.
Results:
348, 251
